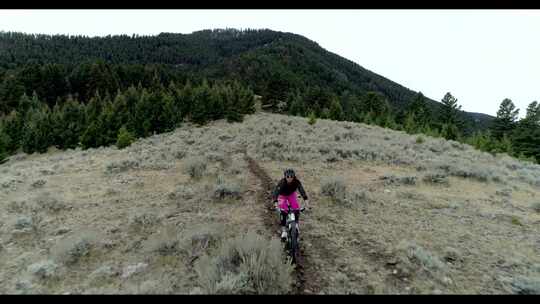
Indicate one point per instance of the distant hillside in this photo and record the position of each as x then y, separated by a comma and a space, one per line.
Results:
273, 63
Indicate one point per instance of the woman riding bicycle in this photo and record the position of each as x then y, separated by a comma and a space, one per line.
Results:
285, 192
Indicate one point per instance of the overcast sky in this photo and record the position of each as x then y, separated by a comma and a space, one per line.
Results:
480, 56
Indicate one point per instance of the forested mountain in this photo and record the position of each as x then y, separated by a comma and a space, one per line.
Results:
275, 65
71, 91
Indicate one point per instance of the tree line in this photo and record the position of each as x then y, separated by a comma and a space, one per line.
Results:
33, 126
506, 134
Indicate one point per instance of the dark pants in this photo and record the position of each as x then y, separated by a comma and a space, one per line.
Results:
284, 216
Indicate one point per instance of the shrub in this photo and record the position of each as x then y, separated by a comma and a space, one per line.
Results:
312, 118
71, 250
180, 154
195, 167
144, 221
436, 178
504, 192
199, 239
125, 138
420, 140
166, 242
409, 252
50, 204
452, 255
43, 269
247, 264
226, 189
24, 222
475, 173
406, 180
334, 187
183, 192
39, 183
515, 220
526, 285
215, 157
123, 165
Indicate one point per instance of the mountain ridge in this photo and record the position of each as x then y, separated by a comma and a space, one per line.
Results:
264, 59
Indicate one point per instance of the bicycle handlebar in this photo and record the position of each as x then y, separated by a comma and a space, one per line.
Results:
301, 209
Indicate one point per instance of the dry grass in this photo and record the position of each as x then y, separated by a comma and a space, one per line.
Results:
471, 216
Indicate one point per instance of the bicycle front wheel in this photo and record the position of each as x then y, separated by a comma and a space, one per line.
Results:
295, 247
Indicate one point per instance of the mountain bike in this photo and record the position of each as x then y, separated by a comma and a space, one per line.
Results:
292, 242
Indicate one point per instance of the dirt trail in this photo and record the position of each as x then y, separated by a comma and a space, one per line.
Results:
307, 279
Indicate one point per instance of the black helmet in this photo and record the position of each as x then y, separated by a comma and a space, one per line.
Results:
289, 172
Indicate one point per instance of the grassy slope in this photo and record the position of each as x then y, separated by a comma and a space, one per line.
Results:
475, 234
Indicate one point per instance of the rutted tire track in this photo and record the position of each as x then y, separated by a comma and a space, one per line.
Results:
304, 272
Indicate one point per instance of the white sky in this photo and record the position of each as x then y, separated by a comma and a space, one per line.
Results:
480, 56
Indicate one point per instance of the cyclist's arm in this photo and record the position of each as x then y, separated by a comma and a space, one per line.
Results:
301, 190
276, 191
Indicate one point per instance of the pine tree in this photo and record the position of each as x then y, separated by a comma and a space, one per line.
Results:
37, 131
420, 109
141, 119
526, 141
449, 118
506, 119
93, 108
73, 117
26, 103
450, 131
348, 101
233, 107
296, 107
108, 125
526, 135
57, 126
216, 102
505, 145
449, 110
368, 118
389, 121
121, 110
482, 140
410, 124
11, 90
91, 135
533, 113
357, 115
312, 119
132, 96
336, 112
125, 138
13, 128
325, 113
185, 100
245, 97
201, 100
375, 103
169, 116
4, 143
